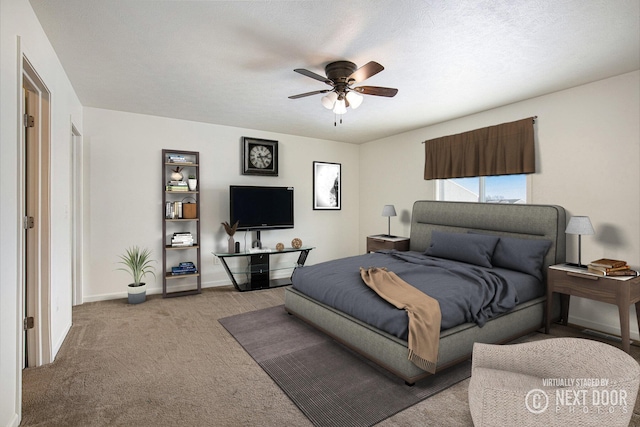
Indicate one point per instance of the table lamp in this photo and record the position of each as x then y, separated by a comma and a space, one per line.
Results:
389, 211
579, 225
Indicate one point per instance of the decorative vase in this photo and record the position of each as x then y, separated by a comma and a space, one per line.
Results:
137, 294
193, 184
232, 245
176, 176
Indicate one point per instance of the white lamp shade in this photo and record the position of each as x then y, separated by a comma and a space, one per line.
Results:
340, 107
355, 99
389, 210
579, 225
329, 100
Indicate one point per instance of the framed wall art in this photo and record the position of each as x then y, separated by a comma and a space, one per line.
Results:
259, 156
327, 184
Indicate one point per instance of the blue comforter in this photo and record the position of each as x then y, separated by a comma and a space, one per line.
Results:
465, 292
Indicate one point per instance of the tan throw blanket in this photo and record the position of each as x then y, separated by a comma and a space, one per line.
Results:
423, 311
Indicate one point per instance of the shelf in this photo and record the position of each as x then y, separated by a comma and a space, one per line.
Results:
180, 276
273, 252
248, 270
180, 164
176, 254
273, 283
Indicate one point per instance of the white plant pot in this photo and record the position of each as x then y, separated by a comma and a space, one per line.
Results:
193, 184
137, 294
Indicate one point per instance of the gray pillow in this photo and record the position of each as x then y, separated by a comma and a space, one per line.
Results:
524, 255
470, 248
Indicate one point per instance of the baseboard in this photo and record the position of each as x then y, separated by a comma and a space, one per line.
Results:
156, 290
58, 345
601, 327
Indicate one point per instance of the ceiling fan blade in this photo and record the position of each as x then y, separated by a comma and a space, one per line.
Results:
376, 90
313, 75
315, 92
367, 70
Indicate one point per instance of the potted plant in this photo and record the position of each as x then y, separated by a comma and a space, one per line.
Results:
192, 182
137, 262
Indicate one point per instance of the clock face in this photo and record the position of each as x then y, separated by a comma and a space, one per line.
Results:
260, 156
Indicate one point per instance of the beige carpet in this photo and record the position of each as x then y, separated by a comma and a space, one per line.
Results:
169, 362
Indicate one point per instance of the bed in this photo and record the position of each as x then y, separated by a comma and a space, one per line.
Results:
432, 223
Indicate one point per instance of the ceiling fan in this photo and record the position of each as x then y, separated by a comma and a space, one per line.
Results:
341, 75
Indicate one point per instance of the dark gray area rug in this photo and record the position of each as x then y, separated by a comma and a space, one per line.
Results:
331, 385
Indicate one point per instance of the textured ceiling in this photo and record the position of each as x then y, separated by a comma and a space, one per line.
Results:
231, 62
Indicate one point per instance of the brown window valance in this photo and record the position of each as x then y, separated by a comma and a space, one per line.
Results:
503, 149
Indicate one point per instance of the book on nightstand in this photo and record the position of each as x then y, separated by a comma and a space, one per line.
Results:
610, 267
608, 263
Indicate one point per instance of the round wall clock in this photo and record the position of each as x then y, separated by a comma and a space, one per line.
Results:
259, 157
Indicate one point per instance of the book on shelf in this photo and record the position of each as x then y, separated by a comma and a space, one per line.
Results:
608, 263
182, 239
177, 158
187, 268
177, 188
181, 273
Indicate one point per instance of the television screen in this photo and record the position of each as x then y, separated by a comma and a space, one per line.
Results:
261, 208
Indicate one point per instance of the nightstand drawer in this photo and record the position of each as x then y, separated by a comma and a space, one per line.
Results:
376, 243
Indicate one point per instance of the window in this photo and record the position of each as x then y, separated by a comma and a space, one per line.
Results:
484, 189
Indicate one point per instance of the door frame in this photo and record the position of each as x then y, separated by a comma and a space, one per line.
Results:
40, 286
77, 212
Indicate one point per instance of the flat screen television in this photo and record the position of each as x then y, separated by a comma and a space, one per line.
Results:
261, 208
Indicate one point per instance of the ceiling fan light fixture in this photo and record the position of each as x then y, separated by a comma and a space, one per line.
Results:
355, 99
340, 107
329, 100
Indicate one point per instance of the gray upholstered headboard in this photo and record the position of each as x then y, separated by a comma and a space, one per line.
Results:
523, 221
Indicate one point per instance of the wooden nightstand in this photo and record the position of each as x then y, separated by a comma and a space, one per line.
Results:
382, 241
621, 291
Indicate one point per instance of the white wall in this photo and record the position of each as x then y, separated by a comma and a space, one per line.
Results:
125, 203
17, 20
588, 152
